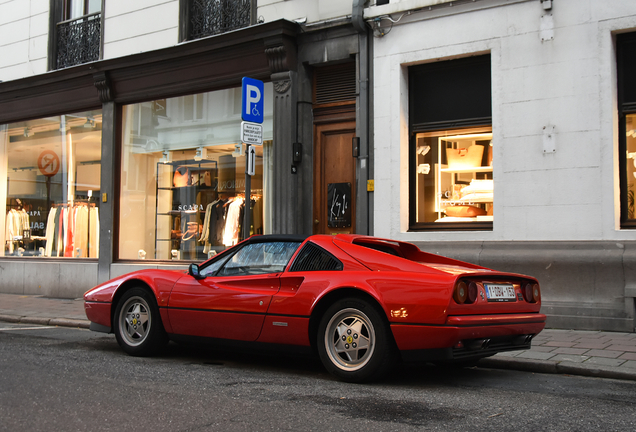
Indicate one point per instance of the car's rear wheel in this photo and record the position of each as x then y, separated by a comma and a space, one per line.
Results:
137, 323
354, 341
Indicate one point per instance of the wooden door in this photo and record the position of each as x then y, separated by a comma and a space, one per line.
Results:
334, 178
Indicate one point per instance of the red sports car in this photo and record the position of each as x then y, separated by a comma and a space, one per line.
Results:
361, 302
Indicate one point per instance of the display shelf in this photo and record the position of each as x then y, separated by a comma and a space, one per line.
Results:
181, 205
480, 169
453, 174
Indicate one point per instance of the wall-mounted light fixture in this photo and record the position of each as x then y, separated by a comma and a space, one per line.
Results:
27, 132
297, 155
355, 146
90, 123
167, 157
202, 153
238, 150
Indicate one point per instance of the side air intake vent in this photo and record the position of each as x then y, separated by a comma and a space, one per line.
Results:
314, 258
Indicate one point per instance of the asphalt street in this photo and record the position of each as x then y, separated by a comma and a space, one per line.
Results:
575, 352
70, 379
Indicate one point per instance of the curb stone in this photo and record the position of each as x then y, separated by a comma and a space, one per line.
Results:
66, 322
59, 322
553, 367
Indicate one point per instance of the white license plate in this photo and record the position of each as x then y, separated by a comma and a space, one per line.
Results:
500, 292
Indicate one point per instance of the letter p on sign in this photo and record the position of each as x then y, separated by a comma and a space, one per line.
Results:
252, 100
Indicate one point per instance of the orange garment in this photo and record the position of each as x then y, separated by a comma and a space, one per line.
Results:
70, 241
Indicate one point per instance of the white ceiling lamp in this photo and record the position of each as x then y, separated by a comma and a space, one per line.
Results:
167, 157
202, 153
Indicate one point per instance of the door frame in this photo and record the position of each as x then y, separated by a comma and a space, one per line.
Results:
343, 124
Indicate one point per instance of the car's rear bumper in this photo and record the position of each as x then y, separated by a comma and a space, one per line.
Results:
461, 335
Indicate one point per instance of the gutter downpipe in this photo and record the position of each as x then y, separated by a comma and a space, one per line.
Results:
364, 164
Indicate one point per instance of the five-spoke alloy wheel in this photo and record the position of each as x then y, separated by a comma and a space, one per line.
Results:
354, 341
137, 323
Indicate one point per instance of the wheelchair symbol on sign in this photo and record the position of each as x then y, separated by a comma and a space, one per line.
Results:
255, 111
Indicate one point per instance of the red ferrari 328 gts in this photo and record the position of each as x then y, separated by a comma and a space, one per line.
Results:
361, 302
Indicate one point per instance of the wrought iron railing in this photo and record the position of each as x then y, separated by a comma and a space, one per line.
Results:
211, 17
79, 40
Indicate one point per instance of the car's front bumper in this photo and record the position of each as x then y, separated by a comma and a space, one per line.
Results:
98, 313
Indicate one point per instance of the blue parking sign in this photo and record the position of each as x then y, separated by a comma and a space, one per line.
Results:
252, 100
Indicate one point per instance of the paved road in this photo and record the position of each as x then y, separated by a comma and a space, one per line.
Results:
572, 352
54, 378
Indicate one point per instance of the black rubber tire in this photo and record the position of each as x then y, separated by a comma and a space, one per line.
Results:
354, 342
137, 324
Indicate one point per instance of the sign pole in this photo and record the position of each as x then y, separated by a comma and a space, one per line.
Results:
252, 111
248, 196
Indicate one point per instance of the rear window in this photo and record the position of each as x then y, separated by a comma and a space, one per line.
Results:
315, 258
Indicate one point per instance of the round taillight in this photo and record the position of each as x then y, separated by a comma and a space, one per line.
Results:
472, 292
532, 292
461, 292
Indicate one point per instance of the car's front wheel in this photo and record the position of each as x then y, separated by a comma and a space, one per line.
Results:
354, 341
137, 323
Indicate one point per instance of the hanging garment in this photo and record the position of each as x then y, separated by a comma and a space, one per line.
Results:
232, 223
51, 226
10, 230
80, 238
93, 232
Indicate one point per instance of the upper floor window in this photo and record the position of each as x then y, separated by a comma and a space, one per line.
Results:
76, 38
451, 172
78, 8
201, 18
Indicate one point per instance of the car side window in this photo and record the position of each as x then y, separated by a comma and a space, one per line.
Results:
259, 258
213, 267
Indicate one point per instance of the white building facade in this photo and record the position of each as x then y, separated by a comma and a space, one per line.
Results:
539, 92
500, 132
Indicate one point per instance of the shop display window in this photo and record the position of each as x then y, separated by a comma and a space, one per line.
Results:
451, 185
52, 168
183, 181
454, 176
626, 68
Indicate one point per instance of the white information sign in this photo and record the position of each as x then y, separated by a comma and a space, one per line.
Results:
251, 161
251, 133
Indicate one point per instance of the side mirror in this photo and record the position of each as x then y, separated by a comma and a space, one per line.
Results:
193, 271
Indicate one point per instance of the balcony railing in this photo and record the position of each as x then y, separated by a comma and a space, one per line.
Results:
211, 17
78, 40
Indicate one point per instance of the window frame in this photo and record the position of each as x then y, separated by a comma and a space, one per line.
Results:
419, 123
184, 18
625, 46
58, 12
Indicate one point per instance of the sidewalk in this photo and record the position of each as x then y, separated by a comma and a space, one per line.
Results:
573, 352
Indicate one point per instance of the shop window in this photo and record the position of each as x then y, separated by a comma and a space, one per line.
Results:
76, 34
183, 194
202, 18
626, 56
53, 168
451, 173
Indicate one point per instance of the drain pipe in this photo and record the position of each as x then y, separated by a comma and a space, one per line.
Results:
364, 164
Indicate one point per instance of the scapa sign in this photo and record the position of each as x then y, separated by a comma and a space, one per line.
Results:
252, 100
